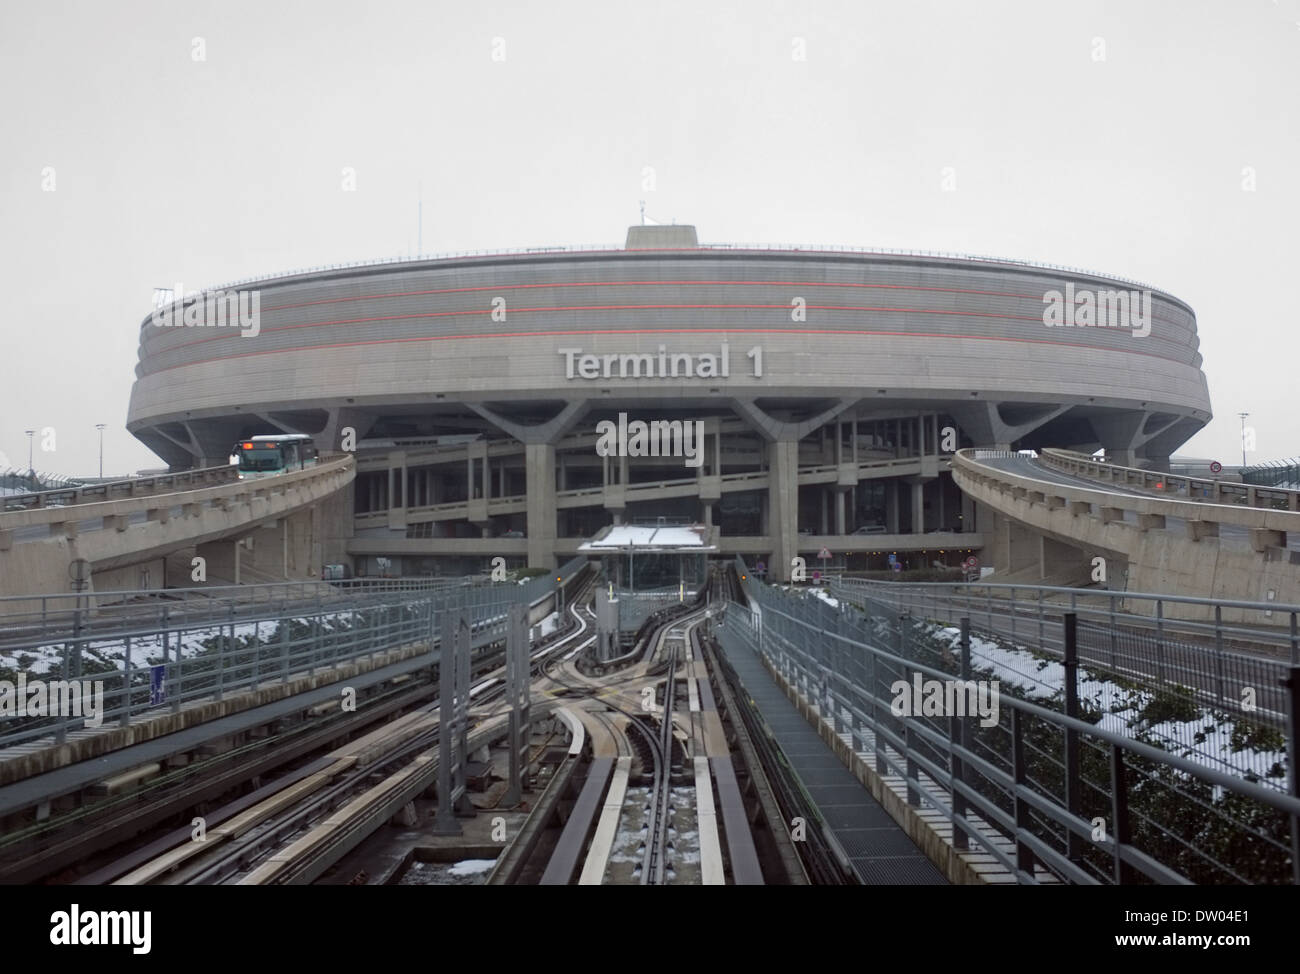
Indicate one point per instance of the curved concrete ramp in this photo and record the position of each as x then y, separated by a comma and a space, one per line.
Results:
1175, 535
38, 547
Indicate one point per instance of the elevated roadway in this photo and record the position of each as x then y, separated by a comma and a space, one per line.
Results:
46, 549
1156, 532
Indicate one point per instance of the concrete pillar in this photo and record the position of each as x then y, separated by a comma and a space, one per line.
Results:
540, 471
783, 505
918, 508
891, 507
826, 524
967, 513
839, 511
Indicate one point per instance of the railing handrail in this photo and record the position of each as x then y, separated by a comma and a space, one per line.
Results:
129, 505
1278, 799
1087, 593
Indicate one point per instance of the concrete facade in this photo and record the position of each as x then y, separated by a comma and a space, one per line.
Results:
830, 386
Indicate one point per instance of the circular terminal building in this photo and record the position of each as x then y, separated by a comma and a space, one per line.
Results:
793, 401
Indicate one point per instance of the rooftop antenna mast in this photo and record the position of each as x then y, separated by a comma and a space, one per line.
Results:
643, 213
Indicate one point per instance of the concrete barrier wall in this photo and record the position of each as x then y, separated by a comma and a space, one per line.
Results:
1158, 560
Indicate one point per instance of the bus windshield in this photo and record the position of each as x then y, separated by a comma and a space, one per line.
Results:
260, 460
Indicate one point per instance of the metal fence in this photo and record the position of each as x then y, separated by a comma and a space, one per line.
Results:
1039, 783
1213, 689
176, 657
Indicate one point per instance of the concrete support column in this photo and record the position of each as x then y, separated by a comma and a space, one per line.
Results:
783, 505
918, 508
967, 513
825, 511
540, 469
891, 507
839, 512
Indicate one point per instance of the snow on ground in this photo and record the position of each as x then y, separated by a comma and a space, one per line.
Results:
548, 625
1207, 740
826, 597
471, 867
146, 649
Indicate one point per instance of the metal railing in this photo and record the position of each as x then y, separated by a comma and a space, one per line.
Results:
79, 493
170, 660
1182, 678
1160, 483
1049, 780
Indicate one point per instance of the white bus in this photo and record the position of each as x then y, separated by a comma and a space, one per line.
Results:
273, 454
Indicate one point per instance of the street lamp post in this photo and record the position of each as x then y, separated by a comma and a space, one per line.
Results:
100, 427
1243, 439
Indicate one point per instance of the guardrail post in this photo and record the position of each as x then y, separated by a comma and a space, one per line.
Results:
1040, 618
909, 742
1218, 649
284, 647
1292, 684
177, 665
1160, 640
1119, 810
1024, 858
960, 839
1114, 636
1070, 623
221, 661
875, 710
124, 719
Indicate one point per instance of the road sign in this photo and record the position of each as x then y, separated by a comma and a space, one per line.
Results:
1216, 467
971, 562
897, 567
893, 559
824, 553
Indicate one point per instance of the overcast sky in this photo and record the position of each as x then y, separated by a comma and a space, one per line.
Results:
151, 143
